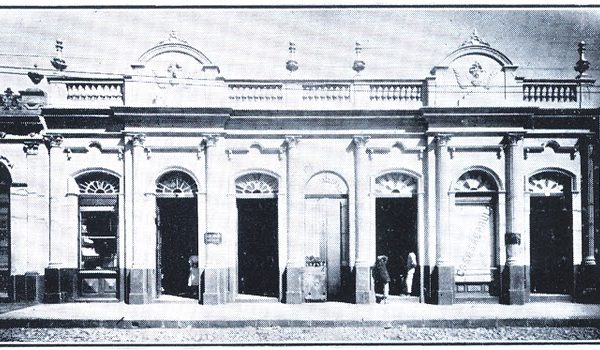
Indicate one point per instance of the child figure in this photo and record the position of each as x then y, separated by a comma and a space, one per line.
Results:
382, 277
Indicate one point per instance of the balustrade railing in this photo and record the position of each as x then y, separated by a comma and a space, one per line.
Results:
255, 92
326, 92
550, 92
396, 92
93, 91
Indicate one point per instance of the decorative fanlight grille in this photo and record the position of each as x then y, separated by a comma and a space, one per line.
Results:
98, 184
176, 183
256, 184
396, 183
546, 184
475, 181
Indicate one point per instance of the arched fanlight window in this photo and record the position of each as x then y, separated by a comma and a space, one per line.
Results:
475, 181
98, 183
548, 183
395, 184
256, 183
176, 183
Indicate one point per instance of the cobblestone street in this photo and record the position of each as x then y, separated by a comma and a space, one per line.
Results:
248, 335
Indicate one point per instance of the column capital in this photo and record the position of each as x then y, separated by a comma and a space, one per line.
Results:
31, 147
53, 141
137, 140
442, 140
360, 140
291, 141
512, 139
210, 140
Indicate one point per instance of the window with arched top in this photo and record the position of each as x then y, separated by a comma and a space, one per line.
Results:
98, 235
549, 183
475, 181
256, 183
176, 183
395, 184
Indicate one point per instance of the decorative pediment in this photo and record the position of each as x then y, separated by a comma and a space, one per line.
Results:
256, 183
395, 184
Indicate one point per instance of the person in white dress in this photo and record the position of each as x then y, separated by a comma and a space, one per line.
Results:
411, 265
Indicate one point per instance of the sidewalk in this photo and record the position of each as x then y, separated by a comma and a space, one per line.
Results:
329, 314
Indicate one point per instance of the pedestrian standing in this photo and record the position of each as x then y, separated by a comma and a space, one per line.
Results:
411, 265
382, 277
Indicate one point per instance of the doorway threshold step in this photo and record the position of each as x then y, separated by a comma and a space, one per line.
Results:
403, 299
542, 298
476, 299
172, 299
247, 298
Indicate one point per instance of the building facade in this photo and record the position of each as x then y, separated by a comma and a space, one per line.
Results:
173, 180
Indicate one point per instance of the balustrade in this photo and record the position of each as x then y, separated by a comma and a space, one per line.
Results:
106, 92
550, 92
396, 92
256, 92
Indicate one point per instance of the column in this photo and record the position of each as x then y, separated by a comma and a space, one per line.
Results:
55, 278
140, 275
215, 281
588, 272
443, 273
365, 293
294, 271
513, 276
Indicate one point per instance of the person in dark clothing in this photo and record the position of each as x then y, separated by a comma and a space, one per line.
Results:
382, 277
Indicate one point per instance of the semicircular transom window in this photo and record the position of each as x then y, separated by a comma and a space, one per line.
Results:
98, 183
395, 184
256, 183
475, 181
176, 183
548, 183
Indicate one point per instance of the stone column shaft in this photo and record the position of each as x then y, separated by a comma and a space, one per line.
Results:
443, 274
587, 167
295, 225
514, 274
364, 289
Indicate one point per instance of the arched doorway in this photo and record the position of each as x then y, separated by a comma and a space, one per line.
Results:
474, 223
98, 235
258, 258
5, 182
177, 236
396, 223
551, 233
326, 238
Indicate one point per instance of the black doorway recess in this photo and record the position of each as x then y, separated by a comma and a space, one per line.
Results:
177, 222
551, 245
396, 235
258, 267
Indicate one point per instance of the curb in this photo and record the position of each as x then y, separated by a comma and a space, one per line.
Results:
435, 323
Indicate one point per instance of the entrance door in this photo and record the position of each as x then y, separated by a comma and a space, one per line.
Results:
325, 233
177, 222
396, 237
551, 245
258, 268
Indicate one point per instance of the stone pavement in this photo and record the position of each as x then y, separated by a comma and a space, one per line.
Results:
329, 314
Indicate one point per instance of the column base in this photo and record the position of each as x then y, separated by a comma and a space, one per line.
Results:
28, 287
141, 286
514, 282
587, 290
443, 285
214, 286
365, 293
60, 285
293, 280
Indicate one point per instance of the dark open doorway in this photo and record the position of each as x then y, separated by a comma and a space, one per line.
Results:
551, 245
258, 267
177, 221
396, 234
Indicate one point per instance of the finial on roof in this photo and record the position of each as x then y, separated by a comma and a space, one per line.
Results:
35, 77
57, 62
359, 65
582, 65
475, 39
292, 65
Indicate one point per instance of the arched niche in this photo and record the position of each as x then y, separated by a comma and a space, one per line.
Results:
326, 183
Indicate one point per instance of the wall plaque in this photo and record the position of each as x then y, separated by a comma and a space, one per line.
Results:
213, 238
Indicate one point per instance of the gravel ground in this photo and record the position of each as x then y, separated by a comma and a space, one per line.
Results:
287, 334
